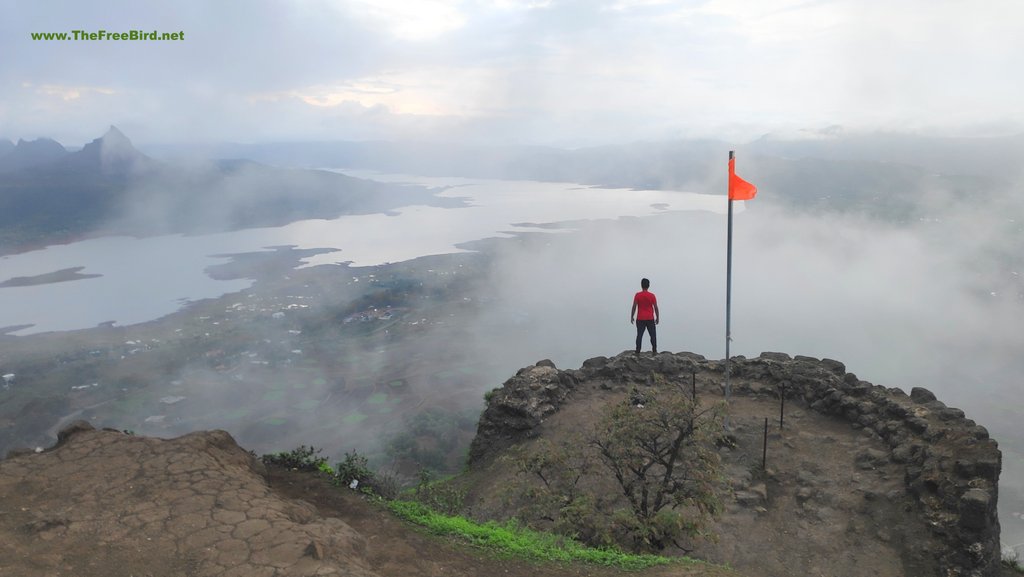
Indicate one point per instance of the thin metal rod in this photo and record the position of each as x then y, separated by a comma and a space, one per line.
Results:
764, 450
782, 407
728, 302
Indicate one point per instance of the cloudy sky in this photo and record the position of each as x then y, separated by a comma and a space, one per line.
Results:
562, 72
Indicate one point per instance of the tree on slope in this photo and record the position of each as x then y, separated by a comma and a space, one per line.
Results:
660, 449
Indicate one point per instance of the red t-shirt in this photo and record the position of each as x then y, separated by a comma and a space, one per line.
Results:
645, 301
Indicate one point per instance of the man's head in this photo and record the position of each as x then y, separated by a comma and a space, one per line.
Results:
645, 284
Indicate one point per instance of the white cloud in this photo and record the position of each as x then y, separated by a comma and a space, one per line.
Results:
541, 71
69, 92
413, 20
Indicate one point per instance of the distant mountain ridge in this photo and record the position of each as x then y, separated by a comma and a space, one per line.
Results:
50, 195
112, 153
893, 177
29, 153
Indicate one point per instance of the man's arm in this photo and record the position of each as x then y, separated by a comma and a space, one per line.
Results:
632, 313
657, 314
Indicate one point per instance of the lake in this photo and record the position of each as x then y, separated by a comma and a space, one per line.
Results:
133, 280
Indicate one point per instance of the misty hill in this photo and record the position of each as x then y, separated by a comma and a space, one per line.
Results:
893, 177
996, 155
48, 194
29, 153
110, 154
861, 480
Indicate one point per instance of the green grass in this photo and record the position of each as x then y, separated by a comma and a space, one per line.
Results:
354, 418
235, 414
519, 542
307, 404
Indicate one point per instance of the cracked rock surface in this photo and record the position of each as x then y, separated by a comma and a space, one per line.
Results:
196, 505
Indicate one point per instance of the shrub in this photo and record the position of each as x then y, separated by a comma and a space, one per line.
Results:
353, 468
662, 457
440, 496
559, 500
658, 455
301, 459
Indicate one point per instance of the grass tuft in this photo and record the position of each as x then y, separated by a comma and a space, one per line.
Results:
515, 541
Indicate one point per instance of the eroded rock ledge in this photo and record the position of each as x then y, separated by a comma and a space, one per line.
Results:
101, 502
951, 466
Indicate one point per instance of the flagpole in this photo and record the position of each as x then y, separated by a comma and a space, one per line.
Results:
728, 299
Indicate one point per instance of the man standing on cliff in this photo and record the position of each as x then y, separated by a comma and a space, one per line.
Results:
645, 311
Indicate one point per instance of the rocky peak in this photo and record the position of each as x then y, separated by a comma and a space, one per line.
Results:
946, 466
111, 153
29, 153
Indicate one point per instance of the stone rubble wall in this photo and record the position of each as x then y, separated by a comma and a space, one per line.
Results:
951, 464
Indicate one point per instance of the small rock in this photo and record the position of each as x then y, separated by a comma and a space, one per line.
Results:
79, 426
974, 509
921, 395
315, 550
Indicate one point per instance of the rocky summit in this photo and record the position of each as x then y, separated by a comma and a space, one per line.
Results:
844, 478
856, 480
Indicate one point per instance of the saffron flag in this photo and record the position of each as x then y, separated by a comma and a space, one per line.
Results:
739, 189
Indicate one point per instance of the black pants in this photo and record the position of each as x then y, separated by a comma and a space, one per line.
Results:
651, 328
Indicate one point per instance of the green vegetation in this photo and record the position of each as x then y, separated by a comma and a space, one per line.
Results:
272, 396
507, 539
301, 459
431, 439
440, 496
307, 404
1012, 562
354, 418
662, 454
513, 540
353, 468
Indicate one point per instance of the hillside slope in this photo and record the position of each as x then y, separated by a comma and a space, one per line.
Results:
108, 504
860, 480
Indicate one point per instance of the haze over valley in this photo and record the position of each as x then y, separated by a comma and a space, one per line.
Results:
342, 224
